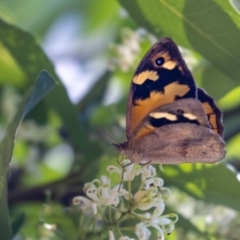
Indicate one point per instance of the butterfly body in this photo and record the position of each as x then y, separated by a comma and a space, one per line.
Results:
169, 119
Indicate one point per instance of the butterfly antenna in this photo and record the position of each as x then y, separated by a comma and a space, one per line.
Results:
91, 150
119, 162
146, 163
123, 169
107, 135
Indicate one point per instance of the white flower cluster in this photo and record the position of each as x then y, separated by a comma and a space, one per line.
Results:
125, 53
149, 196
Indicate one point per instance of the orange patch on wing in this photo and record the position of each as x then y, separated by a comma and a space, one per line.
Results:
168, 63
207, 108
212, 116
144, 130
156, 100
213, 121
143, 76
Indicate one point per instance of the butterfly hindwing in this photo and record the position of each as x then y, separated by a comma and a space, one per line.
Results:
180, 133
161, 78
187, 110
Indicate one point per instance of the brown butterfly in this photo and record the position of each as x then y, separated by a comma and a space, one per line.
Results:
169, 119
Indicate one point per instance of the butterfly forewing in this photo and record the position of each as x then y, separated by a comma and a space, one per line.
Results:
161, 78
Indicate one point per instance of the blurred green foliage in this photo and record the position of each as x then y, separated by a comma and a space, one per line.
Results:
61, 145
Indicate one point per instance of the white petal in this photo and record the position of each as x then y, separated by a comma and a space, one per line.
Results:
115, 169
115, 202
105, 193
93, 195
144, 199
147, 215
158, 201
138, 195
147, 183
165, 193
159, 209
142, 232
160, 232
148, 233
139, 226
125, 238
94, 208
147, 172
96, 181
158, 182
144, 206
109, 197
164, 221
153, 220
51, 227
105, 180
87, 186
123, 193
128, 172
170, 228
125, 162
152, 171
110, 235
79, 199
127, 196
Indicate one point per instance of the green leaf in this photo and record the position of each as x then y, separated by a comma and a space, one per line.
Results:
10, 72
231, 123
211, 183
97, 92
210, 27
235, 4
208, 75
43, 85
25, 50
31, 59
18, 223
